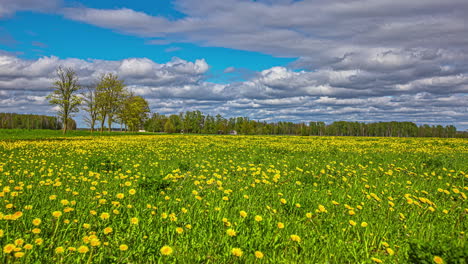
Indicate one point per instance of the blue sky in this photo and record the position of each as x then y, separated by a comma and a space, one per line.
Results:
363, 60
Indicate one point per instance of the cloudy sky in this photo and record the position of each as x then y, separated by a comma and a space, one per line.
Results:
310, 60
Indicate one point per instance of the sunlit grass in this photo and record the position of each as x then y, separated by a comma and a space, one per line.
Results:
225, 199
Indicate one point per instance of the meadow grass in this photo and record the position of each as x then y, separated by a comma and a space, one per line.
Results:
233, 199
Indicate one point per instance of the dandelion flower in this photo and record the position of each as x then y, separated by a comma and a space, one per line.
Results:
123, 247
231, 232
243, 214
166, 250
36, 221
83, 249
280, 225
258, 218
258, 254
237, 252
438, 260
59, 250
295, 238
57, 214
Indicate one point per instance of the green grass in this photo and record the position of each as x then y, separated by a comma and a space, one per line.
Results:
29, 134
187, 191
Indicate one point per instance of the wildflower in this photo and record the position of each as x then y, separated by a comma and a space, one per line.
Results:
123, 247
295, 238
376, 260
351, 222
19, 254
83, 249
59, 250
280, 225
283, 201
36, 221
38, 241
108, 230
57, 214
364, 224
258, 218
438, 260
166, 250
120, 196
258, 254
231, 232
9, 248
105, 216
134, 221
243, 214
237, 252
179, 230
390, 251
132, 191
28, 247
36, 231
309, 215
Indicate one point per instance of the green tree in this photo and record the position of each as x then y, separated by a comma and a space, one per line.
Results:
134, 112
64, 95
110, 93
169, 126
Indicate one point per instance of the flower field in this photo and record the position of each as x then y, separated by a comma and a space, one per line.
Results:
233, 199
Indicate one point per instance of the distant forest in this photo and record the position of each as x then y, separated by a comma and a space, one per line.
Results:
12, 120
195, 122
198, 123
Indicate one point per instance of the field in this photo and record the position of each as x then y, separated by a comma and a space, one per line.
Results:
233, 199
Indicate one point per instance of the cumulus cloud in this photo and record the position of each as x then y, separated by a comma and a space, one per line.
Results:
365, 60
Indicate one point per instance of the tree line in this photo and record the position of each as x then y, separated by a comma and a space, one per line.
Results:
106, 101
198, 123
26, 121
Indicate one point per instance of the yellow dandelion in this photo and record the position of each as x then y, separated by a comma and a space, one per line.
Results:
57, 214
123, 247
258, 218
376, 260
280, 225
19, 254
231, 232
36, 221
295, 238
59, 250
166, 250
258, 254
390, 251
9, 248
351, 222
134, 221
364, 224
104, 216
237, 252
36, 231
28, 247
438, 260
108, 230
120, 196
243, 214
179, 230
83, 249
132, 191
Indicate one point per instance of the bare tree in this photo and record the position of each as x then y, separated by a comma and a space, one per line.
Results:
90, 106
65, 87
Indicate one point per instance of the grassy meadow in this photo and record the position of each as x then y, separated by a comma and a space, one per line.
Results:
233, 199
